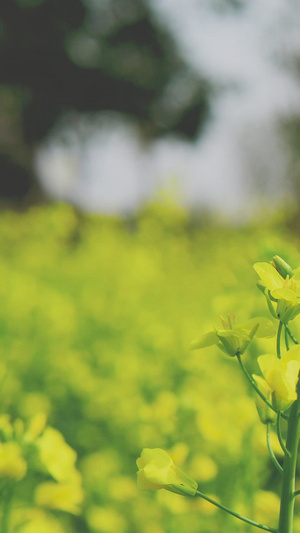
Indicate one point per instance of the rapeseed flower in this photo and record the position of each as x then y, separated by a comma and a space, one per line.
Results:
12, 463
285, 291
35, 427
57, 457
61, 496
280, 376
157, 471
234, 339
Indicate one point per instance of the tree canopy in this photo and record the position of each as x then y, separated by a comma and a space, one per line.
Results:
90, 56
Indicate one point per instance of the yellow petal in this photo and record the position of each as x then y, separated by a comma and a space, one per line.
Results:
284, 294
268, 363
269, 275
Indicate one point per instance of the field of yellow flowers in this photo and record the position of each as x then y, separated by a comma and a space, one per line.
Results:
96, 320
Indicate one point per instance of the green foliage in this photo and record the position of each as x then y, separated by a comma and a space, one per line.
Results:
96, 321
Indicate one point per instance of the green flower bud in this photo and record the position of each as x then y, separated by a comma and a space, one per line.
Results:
282, 267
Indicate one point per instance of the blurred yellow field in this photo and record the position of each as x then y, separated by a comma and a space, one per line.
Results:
96, 321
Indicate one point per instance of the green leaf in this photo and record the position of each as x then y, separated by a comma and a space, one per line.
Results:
206, 340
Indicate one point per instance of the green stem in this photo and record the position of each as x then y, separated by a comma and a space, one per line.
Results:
272, 455
291, 335
251, 380
7, 498
289, 469
286, 338
233, 513
278, 339
279, 434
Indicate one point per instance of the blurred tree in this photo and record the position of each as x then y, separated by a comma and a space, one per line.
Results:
91, 55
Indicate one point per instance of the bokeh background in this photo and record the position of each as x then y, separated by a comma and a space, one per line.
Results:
148, 157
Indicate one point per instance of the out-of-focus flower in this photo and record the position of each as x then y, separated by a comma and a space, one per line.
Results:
285, 291
36, 521
157, 471
106, 519
6, 428
281, 375
35, 427
57, 457
61, 496
12, 463
234, 339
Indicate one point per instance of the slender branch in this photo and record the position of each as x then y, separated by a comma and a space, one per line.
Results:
279, 434
289, 468
6, 508
251, 380
270, 305
236, 515
296, 493
278, 339
272, 455
291, 334
286, 338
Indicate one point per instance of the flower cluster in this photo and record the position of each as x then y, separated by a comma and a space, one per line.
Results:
277, 390
280, 285
36, 447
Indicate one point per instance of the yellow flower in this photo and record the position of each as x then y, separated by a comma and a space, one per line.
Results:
57, 457
35, 427
12, 464
234, 339
157, 471
283, 290
281, 376
61, 496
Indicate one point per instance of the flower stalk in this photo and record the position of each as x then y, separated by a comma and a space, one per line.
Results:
289, 469
236, 515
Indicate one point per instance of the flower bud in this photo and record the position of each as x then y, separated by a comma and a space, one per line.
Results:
282, 267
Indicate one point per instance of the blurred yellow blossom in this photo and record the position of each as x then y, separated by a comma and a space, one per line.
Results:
35, 427
122, 488
12, 463
36, 521
6, 427
203, 467
61, 496
179, 452
105, 520
56, 455
266, 506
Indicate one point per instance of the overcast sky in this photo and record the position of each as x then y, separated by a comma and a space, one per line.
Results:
239, 157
